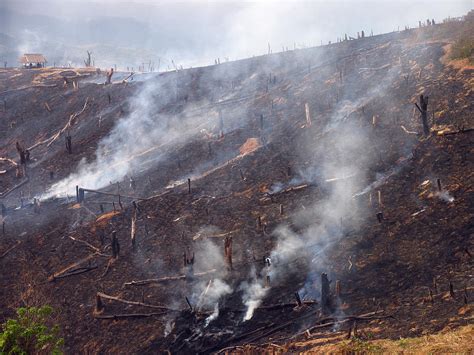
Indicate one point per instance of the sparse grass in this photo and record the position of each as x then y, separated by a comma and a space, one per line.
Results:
359, 346
459, 341
463, 48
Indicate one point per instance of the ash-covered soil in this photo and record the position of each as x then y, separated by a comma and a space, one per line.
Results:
298, 194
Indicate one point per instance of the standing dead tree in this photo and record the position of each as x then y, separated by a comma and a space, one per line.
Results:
325, 294
308, 116
68, 125
188, 265
133, 230
108, 75
115, 245
69, 143
423, 108
228, 251
88, 61
21, 152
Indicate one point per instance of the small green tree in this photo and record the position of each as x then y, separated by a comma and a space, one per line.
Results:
29, 333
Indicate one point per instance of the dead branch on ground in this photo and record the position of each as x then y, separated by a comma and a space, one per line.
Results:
166, 279
7, 192
117, 299
10, 249
51, 139
128, 315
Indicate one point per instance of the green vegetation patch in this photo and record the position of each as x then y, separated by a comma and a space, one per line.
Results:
31, 333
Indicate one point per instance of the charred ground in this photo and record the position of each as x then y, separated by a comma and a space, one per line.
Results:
251, 176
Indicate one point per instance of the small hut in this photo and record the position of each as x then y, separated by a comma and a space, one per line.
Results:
33, 61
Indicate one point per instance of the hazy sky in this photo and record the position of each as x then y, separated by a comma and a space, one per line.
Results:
196, 32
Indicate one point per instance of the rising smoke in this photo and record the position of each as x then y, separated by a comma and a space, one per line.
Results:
130, 33
207, 294
144, 133
342, 172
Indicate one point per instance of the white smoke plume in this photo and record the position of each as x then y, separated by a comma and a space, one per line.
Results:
207, 294
253, 294
144, 133
342, 173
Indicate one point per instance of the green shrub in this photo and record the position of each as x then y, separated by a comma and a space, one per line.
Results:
29, 333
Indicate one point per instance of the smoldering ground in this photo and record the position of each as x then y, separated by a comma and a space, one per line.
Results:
342, 159
341, 169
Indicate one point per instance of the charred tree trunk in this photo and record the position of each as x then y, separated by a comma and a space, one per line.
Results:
298, 299
21, 152
99, 305
325, 294
133, 230
188, 265
69, 144
338, 288
228, 251
109, 76
88, 61
423, 108
115, 245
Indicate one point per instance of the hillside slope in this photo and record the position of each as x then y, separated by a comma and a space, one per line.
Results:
313, 161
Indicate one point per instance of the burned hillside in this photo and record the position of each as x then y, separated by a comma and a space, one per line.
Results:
286, 199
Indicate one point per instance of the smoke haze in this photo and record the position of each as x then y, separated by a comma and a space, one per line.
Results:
194, 33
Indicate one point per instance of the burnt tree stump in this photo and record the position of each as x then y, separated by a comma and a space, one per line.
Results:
338, 288
188, 265
298, 299
115, 245
69, 144
325, 294
99, 305
109, 76
228, 251
423, 108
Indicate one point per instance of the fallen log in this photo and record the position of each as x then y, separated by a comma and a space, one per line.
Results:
11, 161
70, 267
168, 278
269, 307
135, 303
128, 77
86, 243
447, 133
409, 132
77, 271
129, 315
7, 192
291, 188
285, 305
10, 249
109, 264
69, 123
115, 195
51, 139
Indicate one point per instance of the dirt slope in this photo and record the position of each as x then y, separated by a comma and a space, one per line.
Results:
249, 181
